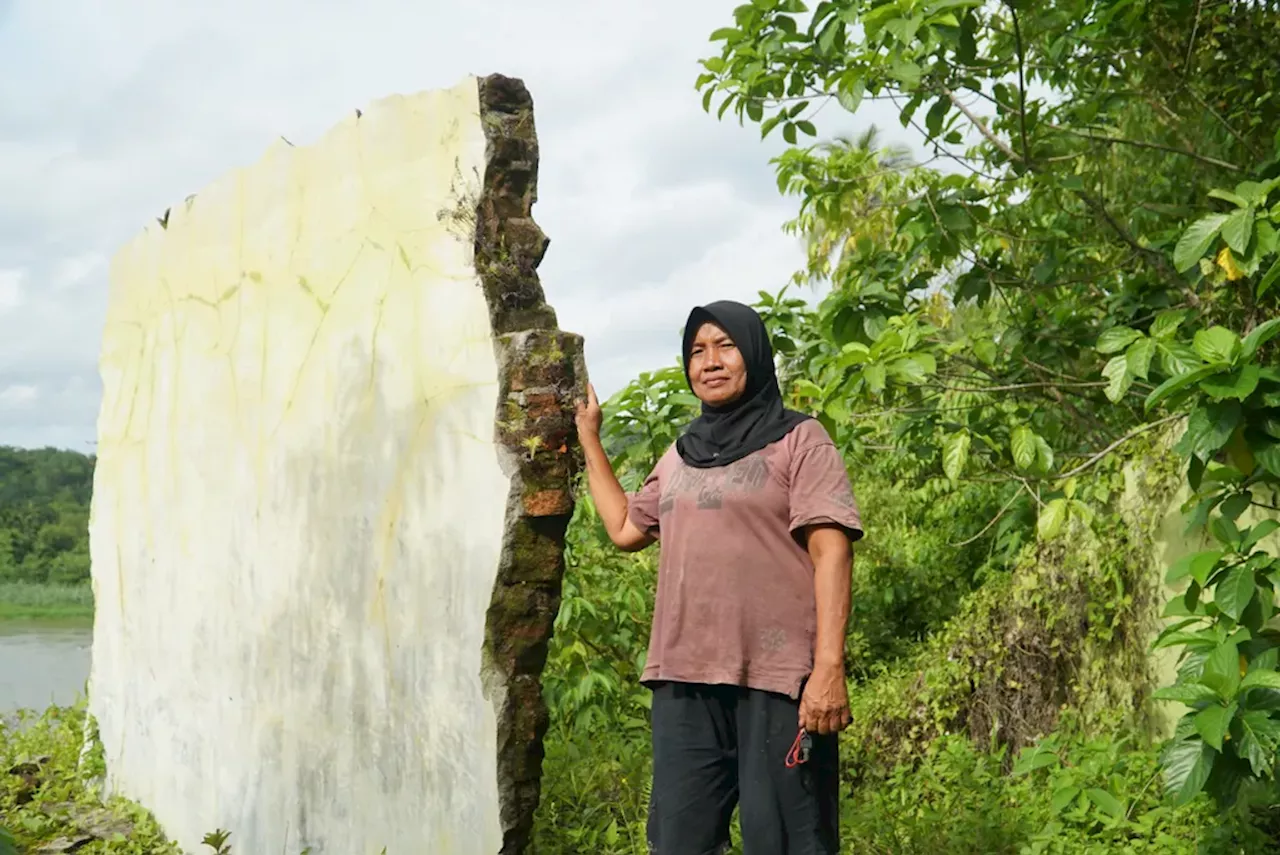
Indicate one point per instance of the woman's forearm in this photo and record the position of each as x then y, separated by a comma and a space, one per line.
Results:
832, 565
609, 497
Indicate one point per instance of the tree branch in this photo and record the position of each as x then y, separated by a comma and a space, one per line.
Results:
1119, 442
982, 127
1022, 85
1212, 161
994, 520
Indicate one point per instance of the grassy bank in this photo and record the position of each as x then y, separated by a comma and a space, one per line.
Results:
33, 600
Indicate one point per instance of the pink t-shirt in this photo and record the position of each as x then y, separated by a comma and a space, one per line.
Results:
735, 602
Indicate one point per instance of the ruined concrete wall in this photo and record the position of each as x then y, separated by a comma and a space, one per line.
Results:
335, 451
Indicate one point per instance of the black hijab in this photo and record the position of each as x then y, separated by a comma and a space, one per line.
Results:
757, 418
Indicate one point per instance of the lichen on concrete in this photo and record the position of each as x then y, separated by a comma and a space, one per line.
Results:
540, 373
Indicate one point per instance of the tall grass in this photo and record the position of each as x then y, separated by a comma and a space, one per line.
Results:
28, 600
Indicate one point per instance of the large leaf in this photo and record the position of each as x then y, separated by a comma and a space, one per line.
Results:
1176, 384
1177, 358
1138, 357
1259, 741
1187, 764
1222, 670
1239, 384
955, 454
1271, 278
1023, 445
1106, 802
1197, 565
1260, 679
1238, 230
1260, 335
1209, 428
1212, 723
1119, 378
1052, 516
1198, 237
1185, 693
1217, 344
1234, 591
1117, 339
1167, 323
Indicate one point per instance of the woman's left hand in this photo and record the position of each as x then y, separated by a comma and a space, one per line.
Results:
824, 705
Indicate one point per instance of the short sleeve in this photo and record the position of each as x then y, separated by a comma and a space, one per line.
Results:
642, 505
820, 490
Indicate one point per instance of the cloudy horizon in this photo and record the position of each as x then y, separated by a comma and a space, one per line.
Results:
110, 117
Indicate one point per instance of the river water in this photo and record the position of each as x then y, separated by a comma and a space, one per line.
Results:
43, 663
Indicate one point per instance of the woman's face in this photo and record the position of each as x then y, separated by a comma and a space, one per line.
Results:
716, 369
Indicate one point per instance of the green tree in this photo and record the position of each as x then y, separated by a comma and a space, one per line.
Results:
1090, 253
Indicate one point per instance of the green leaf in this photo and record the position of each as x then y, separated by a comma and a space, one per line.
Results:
1260, 335
1052, 516
850, 94
1208, 429
1198, 565
1272, 277
1176, 384
1167, 323
725, 34
1259, 741
1238, 229
1212, 723
1116, 339
1239, 384
1187, 764
1033, 758
1227, 196
875, 375
1023, 445
1106, 802
907, 72
1138, 357
789, 133
1235, 505
1198, 237
955, 454
1222, 670
1185, 693
1258, 532
1260, 680
1044, 456
1119, 379
1063, 797
1217, 344
1234, 591
1178, 358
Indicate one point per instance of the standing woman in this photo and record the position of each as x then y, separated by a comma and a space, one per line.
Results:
746, 656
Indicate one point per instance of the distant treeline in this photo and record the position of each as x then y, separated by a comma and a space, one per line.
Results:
44, 515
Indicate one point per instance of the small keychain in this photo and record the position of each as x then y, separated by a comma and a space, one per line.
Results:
799, 752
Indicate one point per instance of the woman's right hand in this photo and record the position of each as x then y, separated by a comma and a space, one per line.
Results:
588, 417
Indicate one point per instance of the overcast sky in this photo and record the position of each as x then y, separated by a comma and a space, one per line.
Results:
112, 111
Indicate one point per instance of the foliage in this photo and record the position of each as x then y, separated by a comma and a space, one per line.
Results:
44, 516
31, 600
1079, 264
47, 790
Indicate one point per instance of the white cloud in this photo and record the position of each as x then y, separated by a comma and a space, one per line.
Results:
651, 205
18, 395
10, 289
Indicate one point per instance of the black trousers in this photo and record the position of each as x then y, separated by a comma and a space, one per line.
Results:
717, 747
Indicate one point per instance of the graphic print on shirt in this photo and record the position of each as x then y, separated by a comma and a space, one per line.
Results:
711, 485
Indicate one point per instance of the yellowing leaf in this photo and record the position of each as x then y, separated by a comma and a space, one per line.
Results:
1228, 264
